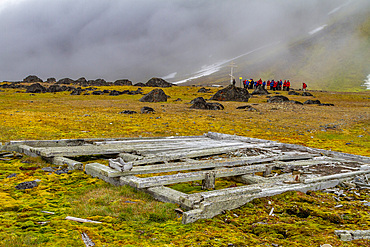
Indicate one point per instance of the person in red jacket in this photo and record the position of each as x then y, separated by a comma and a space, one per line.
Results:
304, 86
287, 85
284, 85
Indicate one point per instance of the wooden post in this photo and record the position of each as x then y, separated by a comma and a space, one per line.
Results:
209, 181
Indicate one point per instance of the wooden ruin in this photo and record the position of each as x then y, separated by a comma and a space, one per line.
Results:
203, 158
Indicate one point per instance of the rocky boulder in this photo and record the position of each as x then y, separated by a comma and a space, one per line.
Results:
306, 94
36, 88
293, 93
156, 95
65, 81
147, 109
312, 102
204, 90
26, 185
51, 80
123, 82
200, 103
32, 79
260, 91
232, 93
277, 99
158, 82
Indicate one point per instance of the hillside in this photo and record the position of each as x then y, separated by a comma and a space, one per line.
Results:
333, 57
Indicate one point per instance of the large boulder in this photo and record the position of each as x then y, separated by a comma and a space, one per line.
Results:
232, 93
158, 82
277, 99
123, 82
51, 80
200, 103
56, 88
65, 81
260, 91
36, 88
82, 82
32, 79
156, 95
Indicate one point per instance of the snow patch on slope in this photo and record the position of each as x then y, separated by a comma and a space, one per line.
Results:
367, 82
318, 29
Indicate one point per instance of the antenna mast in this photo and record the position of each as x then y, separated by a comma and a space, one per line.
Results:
232, 65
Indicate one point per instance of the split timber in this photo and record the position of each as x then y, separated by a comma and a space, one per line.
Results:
206, 158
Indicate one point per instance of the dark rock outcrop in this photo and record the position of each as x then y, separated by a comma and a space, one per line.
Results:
293, 93
65, 81
156, 95
312, 102
158, 82
326, 104
232, 93
123, 82
204, 90
147, 109
260, 91
306, 94
32, 79
51, 80
36, 88
200, 103
140, 84
277, 99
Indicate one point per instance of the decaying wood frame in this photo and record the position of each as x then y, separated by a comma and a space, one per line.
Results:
203, 158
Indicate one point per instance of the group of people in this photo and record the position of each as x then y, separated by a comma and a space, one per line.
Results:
273, 85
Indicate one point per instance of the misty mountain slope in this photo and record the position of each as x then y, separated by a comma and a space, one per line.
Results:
334, 58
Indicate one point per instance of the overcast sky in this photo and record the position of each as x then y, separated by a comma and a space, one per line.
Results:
140, 39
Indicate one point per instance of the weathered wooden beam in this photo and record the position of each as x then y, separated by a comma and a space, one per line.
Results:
208, 182
209, 209
72, 164
193, 176
165, 194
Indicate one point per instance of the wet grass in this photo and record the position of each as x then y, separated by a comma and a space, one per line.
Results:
132, 218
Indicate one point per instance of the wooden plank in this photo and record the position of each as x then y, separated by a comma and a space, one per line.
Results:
192, 176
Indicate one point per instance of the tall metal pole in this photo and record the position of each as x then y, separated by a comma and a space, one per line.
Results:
232, 65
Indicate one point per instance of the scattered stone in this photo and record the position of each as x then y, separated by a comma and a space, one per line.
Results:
36, 88
12, 175
260, 91
248, 107
156, 95
306, 94
200, 103
204, 90
158, 82
312, 102
98, 92
325, 104
77, 91
232, 93
128, 112
293, 93
48, 169
277, 99
31, 79
147, 109
178, 99
61, 171
26, 185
